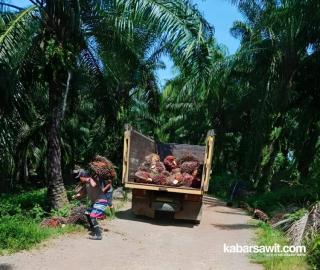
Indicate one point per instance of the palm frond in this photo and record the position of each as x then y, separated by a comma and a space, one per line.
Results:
17, 35
306, 227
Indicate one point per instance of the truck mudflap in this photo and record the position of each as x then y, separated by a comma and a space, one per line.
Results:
190, 211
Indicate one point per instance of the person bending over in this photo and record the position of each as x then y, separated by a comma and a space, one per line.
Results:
99, 202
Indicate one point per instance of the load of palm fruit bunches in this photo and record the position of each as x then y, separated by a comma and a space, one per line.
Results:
185, 171
102, 167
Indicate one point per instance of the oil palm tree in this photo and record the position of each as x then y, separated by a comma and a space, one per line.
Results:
51, 38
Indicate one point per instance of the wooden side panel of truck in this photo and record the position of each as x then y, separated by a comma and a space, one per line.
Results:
184, 202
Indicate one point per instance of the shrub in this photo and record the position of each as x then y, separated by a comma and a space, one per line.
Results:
20, 217
276, 199
220, 185
267, 236
314, 253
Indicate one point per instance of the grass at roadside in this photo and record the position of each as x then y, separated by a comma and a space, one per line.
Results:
267, 236
20, 218
21, 215
118, 204
20, 233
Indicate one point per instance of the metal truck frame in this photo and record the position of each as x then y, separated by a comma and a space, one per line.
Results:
184, 202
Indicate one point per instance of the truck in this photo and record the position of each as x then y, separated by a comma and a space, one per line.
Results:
184, 203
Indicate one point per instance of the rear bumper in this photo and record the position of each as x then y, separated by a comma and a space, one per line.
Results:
184, 206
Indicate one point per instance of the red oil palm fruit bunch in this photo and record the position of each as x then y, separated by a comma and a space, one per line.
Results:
170, 162
175, 180
142, 177
166, 173
187, 179
189, 166
102, 159
102, 167
157, 167
53, 222
158, 179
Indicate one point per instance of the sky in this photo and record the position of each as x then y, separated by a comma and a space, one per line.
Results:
219, 13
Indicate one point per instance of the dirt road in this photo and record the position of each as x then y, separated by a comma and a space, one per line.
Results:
134, 243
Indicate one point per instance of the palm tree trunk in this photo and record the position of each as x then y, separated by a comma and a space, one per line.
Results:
56, 191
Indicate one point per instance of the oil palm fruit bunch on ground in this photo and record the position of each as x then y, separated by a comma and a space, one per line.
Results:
53, 222
76, 216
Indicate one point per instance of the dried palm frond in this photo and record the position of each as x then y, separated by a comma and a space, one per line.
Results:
285, 221
284, 224
306, 227
277, 218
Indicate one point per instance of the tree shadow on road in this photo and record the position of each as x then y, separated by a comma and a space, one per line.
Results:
234, 226
5, 266
161, 219
212, 202
232, 213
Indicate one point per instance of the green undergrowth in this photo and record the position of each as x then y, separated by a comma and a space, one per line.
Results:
314, 252
277, 200
267, 236
20, 233
20, 218
21, 215
220, 185
118, 204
